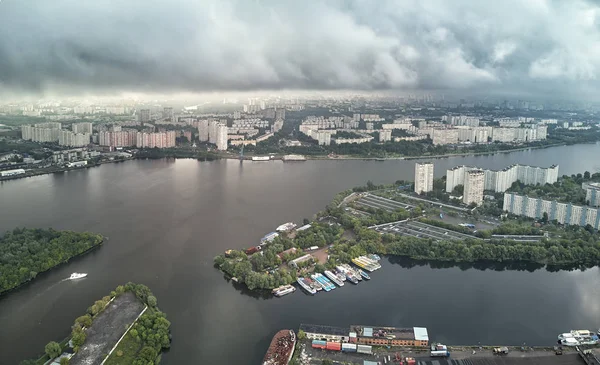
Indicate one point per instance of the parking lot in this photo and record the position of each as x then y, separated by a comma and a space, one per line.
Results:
377, 202
420, 230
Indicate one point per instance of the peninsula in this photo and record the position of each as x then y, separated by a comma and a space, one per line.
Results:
125, 327
25, 252
444, 221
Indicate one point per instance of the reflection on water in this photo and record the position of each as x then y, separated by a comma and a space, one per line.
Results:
168, 219
408, 263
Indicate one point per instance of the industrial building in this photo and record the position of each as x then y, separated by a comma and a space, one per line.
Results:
7, 173
369, 335
325, 333
423, 177
564, 213
391, 336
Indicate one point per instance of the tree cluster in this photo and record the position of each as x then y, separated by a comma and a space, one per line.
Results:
26, 252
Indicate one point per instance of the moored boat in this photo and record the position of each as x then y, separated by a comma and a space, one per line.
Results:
321, 280
364, 275
281, 348
333, 277
283, 290
351, 278
313, 284
305, 286
326, 281
578, 338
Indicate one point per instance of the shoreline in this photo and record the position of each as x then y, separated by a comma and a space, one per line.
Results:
6, 292
308, 158
463, 154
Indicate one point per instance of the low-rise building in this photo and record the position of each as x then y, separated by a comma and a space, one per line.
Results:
14, 172
325, 333
391, 336
295, 262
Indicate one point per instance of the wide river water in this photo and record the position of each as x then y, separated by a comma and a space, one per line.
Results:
166, 220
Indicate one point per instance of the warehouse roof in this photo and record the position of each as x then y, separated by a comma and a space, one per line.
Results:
415, 333
421, 334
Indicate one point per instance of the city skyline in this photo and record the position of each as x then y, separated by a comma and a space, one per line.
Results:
461, 48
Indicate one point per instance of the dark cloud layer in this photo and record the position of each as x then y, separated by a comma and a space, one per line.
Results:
230, 45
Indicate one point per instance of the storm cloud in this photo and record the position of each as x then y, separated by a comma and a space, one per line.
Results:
233, 45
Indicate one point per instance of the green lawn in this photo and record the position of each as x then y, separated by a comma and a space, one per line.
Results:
128, 347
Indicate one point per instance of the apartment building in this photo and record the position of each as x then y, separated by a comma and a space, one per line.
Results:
423, 177
564, 213
474, 183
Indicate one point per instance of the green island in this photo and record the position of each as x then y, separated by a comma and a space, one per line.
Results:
391, 220
24, 252
125, 327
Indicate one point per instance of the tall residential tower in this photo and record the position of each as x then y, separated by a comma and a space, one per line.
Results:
474, 182
423, 177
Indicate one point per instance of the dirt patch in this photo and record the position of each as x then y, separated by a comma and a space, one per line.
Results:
321, 254
107, 328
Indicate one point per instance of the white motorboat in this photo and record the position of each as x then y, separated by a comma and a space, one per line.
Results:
77, 275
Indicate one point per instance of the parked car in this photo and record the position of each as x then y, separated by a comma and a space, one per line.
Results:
501, 350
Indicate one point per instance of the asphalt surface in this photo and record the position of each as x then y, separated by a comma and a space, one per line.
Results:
107, 328
377, 202
421, 230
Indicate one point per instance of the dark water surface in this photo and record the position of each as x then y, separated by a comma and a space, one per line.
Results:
166, 220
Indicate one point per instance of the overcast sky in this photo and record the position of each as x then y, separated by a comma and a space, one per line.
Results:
536, 47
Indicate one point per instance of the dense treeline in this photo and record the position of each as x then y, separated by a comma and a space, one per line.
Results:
570, 245
26, 252
157, 153
263, 270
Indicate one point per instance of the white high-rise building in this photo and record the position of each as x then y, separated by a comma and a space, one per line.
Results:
70, 139
592, 193
42, 132
501, 180
213, 126
221, 137
474, 183
385, 135
82, 127
423, 177
203, 130
324, 138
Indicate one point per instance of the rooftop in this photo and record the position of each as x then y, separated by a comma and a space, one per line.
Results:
326, 330
415, 333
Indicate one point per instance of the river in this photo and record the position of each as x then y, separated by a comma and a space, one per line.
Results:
166, 220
